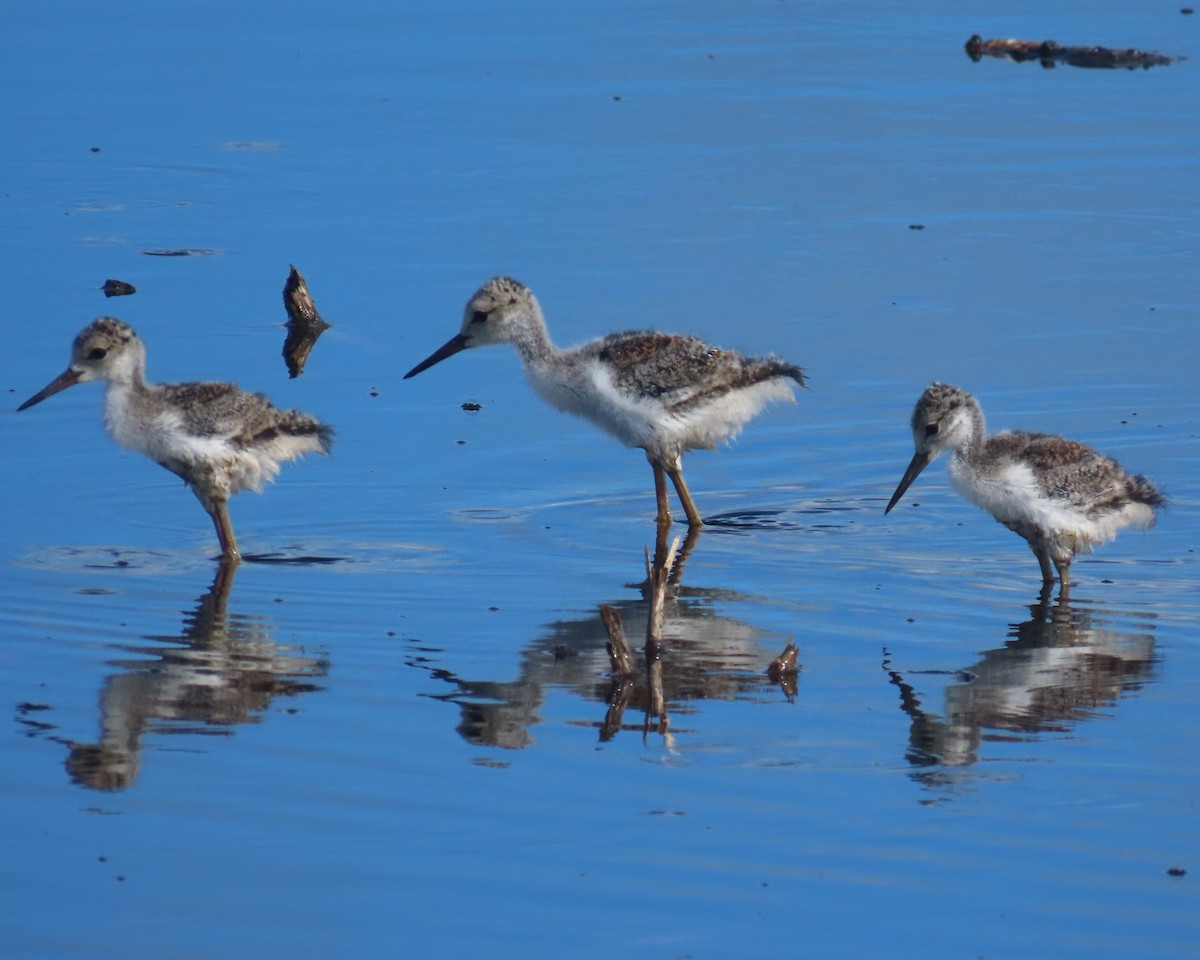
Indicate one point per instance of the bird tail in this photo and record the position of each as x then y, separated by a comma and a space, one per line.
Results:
1143, 490
781, 368
325, 433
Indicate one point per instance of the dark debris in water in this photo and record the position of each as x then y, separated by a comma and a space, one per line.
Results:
118, 288
33, 727
1049, 54
784, 670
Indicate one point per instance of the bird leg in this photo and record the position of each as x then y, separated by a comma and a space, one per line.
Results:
660, 494
1064, 576
226, 568
219, 511
675, 472
1043, 558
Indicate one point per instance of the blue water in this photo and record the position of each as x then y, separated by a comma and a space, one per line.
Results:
400, 751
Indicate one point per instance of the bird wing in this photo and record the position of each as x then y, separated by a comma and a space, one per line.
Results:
1065, 470
214, 410
682, 372
224, 412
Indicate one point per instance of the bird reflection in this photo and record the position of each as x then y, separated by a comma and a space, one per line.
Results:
1057, 668
225, 670
706, 656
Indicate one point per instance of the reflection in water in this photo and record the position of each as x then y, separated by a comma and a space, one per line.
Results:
705, 656
1058, 667
304, 324
225, 671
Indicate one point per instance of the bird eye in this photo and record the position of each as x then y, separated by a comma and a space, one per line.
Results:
479, 317
931, 429
97, 353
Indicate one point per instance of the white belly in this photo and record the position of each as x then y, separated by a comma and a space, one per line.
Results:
587, 391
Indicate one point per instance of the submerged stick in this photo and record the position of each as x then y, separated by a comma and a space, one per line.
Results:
619, 653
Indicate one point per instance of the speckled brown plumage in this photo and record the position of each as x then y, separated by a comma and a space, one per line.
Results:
1060, 495
218, 438
664, 393
683, 372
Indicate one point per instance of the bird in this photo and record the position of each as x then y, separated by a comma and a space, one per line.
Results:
664, 393
215, 436
1060, 495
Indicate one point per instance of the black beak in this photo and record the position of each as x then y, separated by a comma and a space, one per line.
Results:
452, 346
68, 378
918, 463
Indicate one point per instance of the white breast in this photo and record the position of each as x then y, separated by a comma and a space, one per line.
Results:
587, 390
1011, 494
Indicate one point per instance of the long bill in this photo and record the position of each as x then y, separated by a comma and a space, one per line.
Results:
68, 378
918, 463
455, 344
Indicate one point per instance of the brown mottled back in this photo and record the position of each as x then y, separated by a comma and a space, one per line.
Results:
683, 372
1073, 472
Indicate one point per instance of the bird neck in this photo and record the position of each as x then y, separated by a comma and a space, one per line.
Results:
973, 432
128, 371
533, 342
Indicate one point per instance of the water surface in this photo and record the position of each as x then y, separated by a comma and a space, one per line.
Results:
402, 749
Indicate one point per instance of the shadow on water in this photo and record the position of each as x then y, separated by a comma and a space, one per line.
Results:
278, 558
1056, 669
694, 654
222, 670
797, 518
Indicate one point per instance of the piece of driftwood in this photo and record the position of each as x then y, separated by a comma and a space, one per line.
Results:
619, 653
658, 577
1049, 54
304, 323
